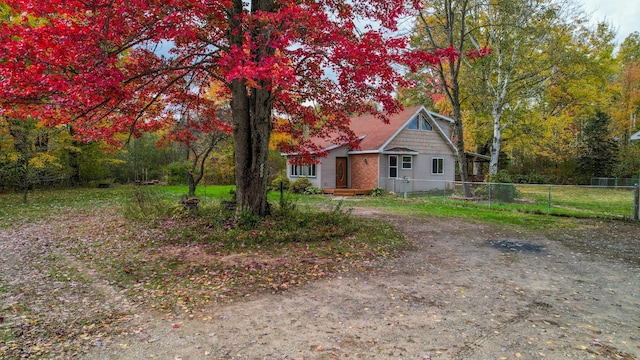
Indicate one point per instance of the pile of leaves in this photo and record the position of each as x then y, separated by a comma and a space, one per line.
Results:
96, 269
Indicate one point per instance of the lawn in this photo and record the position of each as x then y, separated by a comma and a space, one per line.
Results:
573, 201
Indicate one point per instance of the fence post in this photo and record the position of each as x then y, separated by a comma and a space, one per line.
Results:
549, 202
490, 186
444, 197
405, 183
636, 202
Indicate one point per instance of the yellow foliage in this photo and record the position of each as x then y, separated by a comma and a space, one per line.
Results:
43, 160
218, 93
12, 156
278, 137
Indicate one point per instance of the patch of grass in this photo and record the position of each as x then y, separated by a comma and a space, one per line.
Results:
178, 262
583, 201
468, 211
44, 203
206, 194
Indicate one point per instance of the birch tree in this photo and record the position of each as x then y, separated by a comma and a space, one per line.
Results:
524, 37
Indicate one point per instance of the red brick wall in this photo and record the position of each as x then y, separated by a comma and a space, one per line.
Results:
364, 175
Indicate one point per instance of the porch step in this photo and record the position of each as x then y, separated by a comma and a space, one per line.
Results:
347, 192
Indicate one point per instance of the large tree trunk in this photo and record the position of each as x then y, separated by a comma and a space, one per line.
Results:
251, 110
251, 131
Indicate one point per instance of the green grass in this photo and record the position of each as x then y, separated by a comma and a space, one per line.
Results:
582, 201
468, 211
45, 203
530, 210
573, 201
202, 191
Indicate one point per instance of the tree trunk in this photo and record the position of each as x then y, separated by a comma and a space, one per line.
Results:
251, 110
251, 131
192, 184
495, 144
463, 168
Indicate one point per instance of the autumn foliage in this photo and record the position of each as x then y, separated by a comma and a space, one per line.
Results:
112, 67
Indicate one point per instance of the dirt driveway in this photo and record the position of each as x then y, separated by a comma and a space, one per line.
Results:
453, 296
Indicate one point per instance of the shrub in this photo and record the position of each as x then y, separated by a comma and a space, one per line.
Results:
178, 172
504, 189
300, 185
145, 204
313, 190
529, 179
377, 192
275, 184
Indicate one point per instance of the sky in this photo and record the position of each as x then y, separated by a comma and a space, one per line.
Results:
623, 14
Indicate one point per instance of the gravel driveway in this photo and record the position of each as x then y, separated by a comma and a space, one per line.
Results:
574, 295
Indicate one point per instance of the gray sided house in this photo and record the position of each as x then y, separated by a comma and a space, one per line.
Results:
414, 145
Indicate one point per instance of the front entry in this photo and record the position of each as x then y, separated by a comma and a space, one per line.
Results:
341, 173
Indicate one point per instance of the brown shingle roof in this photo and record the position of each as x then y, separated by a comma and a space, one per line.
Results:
372, 131
376, 133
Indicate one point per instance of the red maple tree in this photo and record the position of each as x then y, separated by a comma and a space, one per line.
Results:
111, 66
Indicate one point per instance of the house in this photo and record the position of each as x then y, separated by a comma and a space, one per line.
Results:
635, 136
415, 145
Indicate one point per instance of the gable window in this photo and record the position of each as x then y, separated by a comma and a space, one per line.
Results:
303, 171
425, 126
437, 166
414, 124
406, 162
420, 122
393, 166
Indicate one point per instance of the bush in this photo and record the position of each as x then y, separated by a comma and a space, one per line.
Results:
313, 190
504, 189
377, 192
178, 172
300, 185
529, 179
145, 204
275, 184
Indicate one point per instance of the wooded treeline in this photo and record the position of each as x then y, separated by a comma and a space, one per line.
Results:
539, 87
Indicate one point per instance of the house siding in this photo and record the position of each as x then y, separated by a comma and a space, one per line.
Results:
445, 126
364, 175
429, 145
424, 142
420, 177
327, 174
315, 181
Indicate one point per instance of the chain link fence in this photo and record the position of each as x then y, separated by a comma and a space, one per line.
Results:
615, 182
620, 202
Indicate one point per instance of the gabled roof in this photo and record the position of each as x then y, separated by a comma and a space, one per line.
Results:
635, 136
376, 135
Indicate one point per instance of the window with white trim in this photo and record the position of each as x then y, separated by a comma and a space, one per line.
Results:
437, 166
420, 122
406, 162
393, 166
414, 124
303, 171
425, 125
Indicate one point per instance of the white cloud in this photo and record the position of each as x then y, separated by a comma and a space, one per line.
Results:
624, 15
